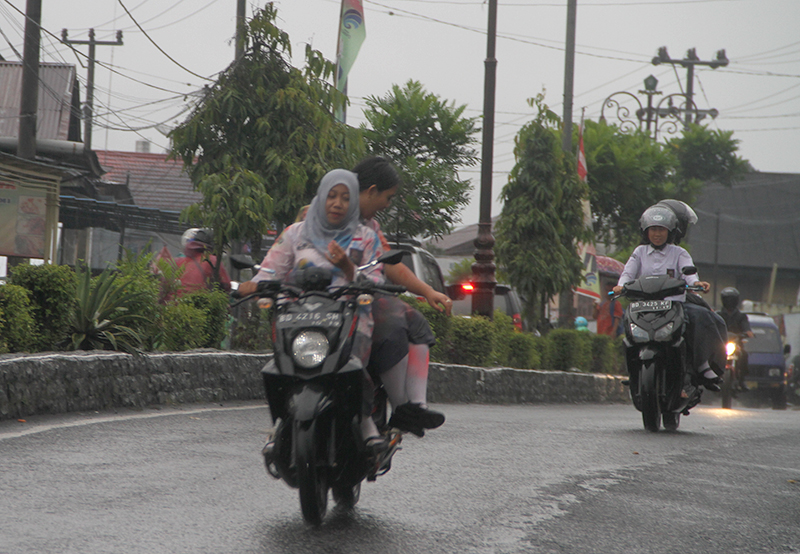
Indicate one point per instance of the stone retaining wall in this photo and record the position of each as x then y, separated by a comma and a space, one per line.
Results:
58, 382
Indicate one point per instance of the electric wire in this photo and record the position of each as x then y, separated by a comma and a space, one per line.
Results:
173, 60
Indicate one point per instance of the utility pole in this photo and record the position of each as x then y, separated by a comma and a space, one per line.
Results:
565, 297
240, 21
29, 101
689, 62
484, 269
88, 110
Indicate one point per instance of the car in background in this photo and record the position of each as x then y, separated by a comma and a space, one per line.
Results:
768, 372
505, 299
422, 263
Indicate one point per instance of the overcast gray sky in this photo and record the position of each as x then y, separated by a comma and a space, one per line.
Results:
442, 44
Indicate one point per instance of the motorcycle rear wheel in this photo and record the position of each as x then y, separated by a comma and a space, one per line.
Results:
671, 421
311, 478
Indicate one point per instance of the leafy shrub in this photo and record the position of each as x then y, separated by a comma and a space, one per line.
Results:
606, 354
502, 331
567, 349
182, 327
214, 306
136, 272
52, 289
525, 351
252, 332
101, 318
17, 325
471, 341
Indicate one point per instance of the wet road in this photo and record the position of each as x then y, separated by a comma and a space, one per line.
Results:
493, 479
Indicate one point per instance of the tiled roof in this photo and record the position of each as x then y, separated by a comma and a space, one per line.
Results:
57, 82
154, 181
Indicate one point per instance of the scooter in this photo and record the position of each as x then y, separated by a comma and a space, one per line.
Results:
314, 387
661, 383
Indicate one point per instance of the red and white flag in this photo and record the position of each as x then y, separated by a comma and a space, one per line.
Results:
582, 171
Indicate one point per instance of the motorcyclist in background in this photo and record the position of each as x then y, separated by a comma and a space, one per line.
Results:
737, 324
658, 255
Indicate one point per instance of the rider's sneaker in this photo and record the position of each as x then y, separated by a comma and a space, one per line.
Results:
415, 418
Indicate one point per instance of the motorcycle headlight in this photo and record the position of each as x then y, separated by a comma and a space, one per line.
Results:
639, 334
310, 348
730, 348
665, 332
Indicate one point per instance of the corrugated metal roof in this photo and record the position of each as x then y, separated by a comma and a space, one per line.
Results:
154, 181
759, 222
56, 83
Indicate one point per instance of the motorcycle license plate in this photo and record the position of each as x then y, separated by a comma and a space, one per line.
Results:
311, 319
651, 306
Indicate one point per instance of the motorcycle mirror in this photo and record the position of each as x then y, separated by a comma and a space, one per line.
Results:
689, 270
241, 261
392, 257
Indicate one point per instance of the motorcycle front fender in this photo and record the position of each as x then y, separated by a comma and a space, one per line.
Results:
309, 402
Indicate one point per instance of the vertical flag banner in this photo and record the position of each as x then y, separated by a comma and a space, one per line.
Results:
352, 33
590, 285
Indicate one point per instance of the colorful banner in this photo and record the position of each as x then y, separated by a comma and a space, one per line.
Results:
590, 285
23, 220
352, 33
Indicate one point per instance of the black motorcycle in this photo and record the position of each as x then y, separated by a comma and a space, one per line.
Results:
656, 353
314, 387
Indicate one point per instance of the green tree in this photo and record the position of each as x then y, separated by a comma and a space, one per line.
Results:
428, 139
630, 171
706, 155
263, 135
542, 216
627, 173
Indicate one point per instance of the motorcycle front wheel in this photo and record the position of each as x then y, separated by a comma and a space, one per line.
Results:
727, 389
346, 496
651, 407
311, 478
672, 421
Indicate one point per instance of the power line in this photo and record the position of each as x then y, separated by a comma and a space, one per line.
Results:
173, 60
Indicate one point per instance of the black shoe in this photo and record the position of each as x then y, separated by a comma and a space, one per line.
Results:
712, 384
626, 382
414, 418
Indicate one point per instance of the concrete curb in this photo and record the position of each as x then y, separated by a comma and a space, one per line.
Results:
50, 383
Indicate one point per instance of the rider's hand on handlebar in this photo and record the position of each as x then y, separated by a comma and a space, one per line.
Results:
706, 286
617, 289
247, 288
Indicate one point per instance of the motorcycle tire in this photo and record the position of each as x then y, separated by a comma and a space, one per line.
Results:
651, 407
727, 389
671, 421
346, 496
311, 478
